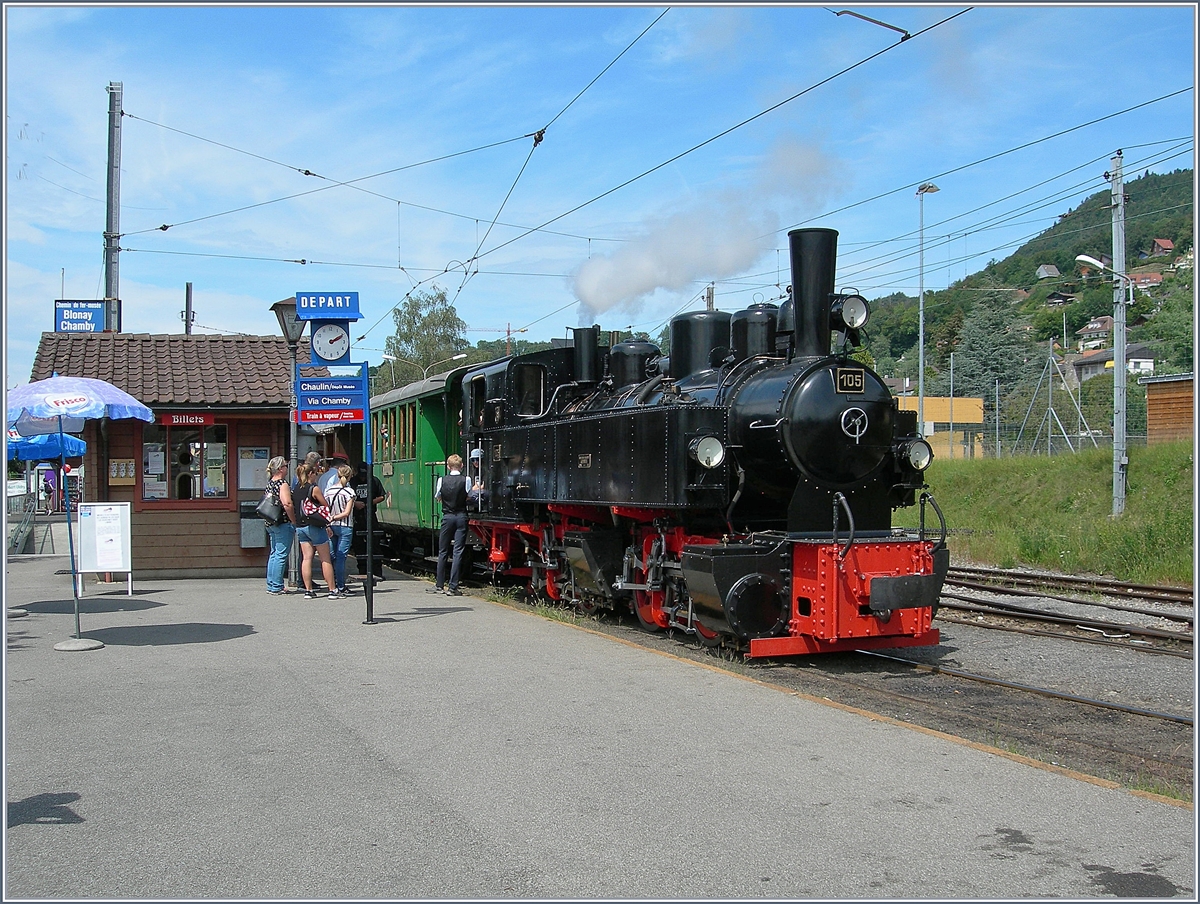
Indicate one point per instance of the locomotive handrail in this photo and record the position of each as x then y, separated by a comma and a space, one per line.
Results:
840, 500
759, 425
549, 405
941, 543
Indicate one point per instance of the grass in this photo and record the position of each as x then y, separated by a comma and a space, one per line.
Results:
1056, 513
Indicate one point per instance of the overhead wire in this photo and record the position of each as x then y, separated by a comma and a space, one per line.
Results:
538, 137
727, 131
959, 169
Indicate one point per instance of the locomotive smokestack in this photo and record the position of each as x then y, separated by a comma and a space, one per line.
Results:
814, 258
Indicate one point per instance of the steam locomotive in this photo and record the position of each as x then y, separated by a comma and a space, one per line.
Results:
739, 490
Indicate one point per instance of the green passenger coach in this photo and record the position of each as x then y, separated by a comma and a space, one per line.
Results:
413, 429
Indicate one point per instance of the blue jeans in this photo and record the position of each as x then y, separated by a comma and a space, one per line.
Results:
281, 544
342, 536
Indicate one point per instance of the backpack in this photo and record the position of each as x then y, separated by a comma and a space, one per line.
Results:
315, 515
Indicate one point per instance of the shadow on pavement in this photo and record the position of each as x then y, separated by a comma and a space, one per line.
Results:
44, 809
422, 612
92, 606
153, 635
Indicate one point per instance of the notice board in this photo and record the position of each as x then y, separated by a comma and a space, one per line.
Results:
104, 537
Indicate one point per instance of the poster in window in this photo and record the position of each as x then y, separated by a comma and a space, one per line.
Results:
252, 467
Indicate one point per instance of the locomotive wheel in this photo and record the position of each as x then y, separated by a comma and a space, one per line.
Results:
707, 638
642, 606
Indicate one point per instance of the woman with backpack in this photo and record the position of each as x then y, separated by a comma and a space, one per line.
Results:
281, 534
312, 510
341, 507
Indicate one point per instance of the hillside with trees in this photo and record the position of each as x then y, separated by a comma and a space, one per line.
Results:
999, 326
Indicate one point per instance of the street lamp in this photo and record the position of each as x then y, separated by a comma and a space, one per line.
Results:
923, 189
1120, 458
458, 357
390, 359
292, 328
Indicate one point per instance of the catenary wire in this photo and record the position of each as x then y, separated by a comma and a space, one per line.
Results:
727, 131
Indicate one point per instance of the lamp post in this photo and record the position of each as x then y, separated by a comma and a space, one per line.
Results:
292, 328
424, 370
1120, 458
458, 357
922, 190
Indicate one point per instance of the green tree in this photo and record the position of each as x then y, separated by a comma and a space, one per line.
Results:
995, 343
428, 330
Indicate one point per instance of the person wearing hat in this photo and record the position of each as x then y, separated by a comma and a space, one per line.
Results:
477, 494
328, 481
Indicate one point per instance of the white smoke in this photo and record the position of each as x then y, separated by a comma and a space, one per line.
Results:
711, 240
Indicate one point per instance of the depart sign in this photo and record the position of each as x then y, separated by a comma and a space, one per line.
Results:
327, 306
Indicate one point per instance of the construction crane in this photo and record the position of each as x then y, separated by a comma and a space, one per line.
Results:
506, 329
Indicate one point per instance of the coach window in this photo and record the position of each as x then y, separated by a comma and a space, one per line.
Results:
181, 463
530, 380
478, 396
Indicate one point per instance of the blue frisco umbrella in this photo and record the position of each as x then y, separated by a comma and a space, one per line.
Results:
43, 447
72, 399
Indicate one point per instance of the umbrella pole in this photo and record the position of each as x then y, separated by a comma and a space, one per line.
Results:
66, 491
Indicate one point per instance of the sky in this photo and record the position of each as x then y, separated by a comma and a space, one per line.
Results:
679, 146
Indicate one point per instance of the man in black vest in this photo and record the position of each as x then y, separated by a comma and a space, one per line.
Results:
452, 491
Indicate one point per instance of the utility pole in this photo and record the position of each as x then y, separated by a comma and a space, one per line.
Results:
708, 298
112, 228
1120, 458
188, 316
952, 404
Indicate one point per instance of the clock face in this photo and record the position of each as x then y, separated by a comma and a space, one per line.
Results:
331, 342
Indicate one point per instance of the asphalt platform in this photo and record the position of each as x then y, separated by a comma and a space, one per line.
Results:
230, 744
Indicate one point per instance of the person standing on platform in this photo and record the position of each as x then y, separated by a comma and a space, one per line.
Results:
314, 536
341, 507
328, 481
451, 491
281, 534
362, 482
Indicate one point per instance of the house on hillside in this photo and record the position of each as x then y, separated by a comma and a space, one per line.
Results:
1095, 333
1057, 299
1146, 281
1160, 247
1139, 359
1047, 271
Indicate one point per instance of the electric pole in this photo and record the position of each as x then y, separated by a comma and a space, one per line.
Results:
1120, 458
112, 229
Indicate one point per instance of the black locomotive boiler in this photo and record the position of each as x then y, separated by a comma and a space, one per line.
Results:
741, 487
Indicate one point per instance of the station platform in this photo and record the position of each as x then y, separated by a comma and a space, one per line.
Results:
225, 743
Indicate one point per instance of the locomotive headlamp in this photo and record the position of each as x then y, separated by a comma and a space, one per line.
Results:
707, 451
919, 454
851, 311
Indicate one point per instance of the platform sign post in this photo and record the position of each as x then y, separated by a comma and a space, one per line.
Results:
338, 399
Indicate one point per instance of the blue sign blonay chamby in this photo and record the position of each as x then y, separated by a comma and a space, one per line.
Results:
327, 306
80, 316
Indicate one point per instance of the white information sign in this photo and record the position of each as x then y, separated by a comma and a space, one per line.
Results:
104, 539
252, 467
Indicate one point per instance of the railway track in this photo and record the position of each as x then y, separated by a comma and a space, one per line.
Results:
1032, 689
989, 597
1001, 577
